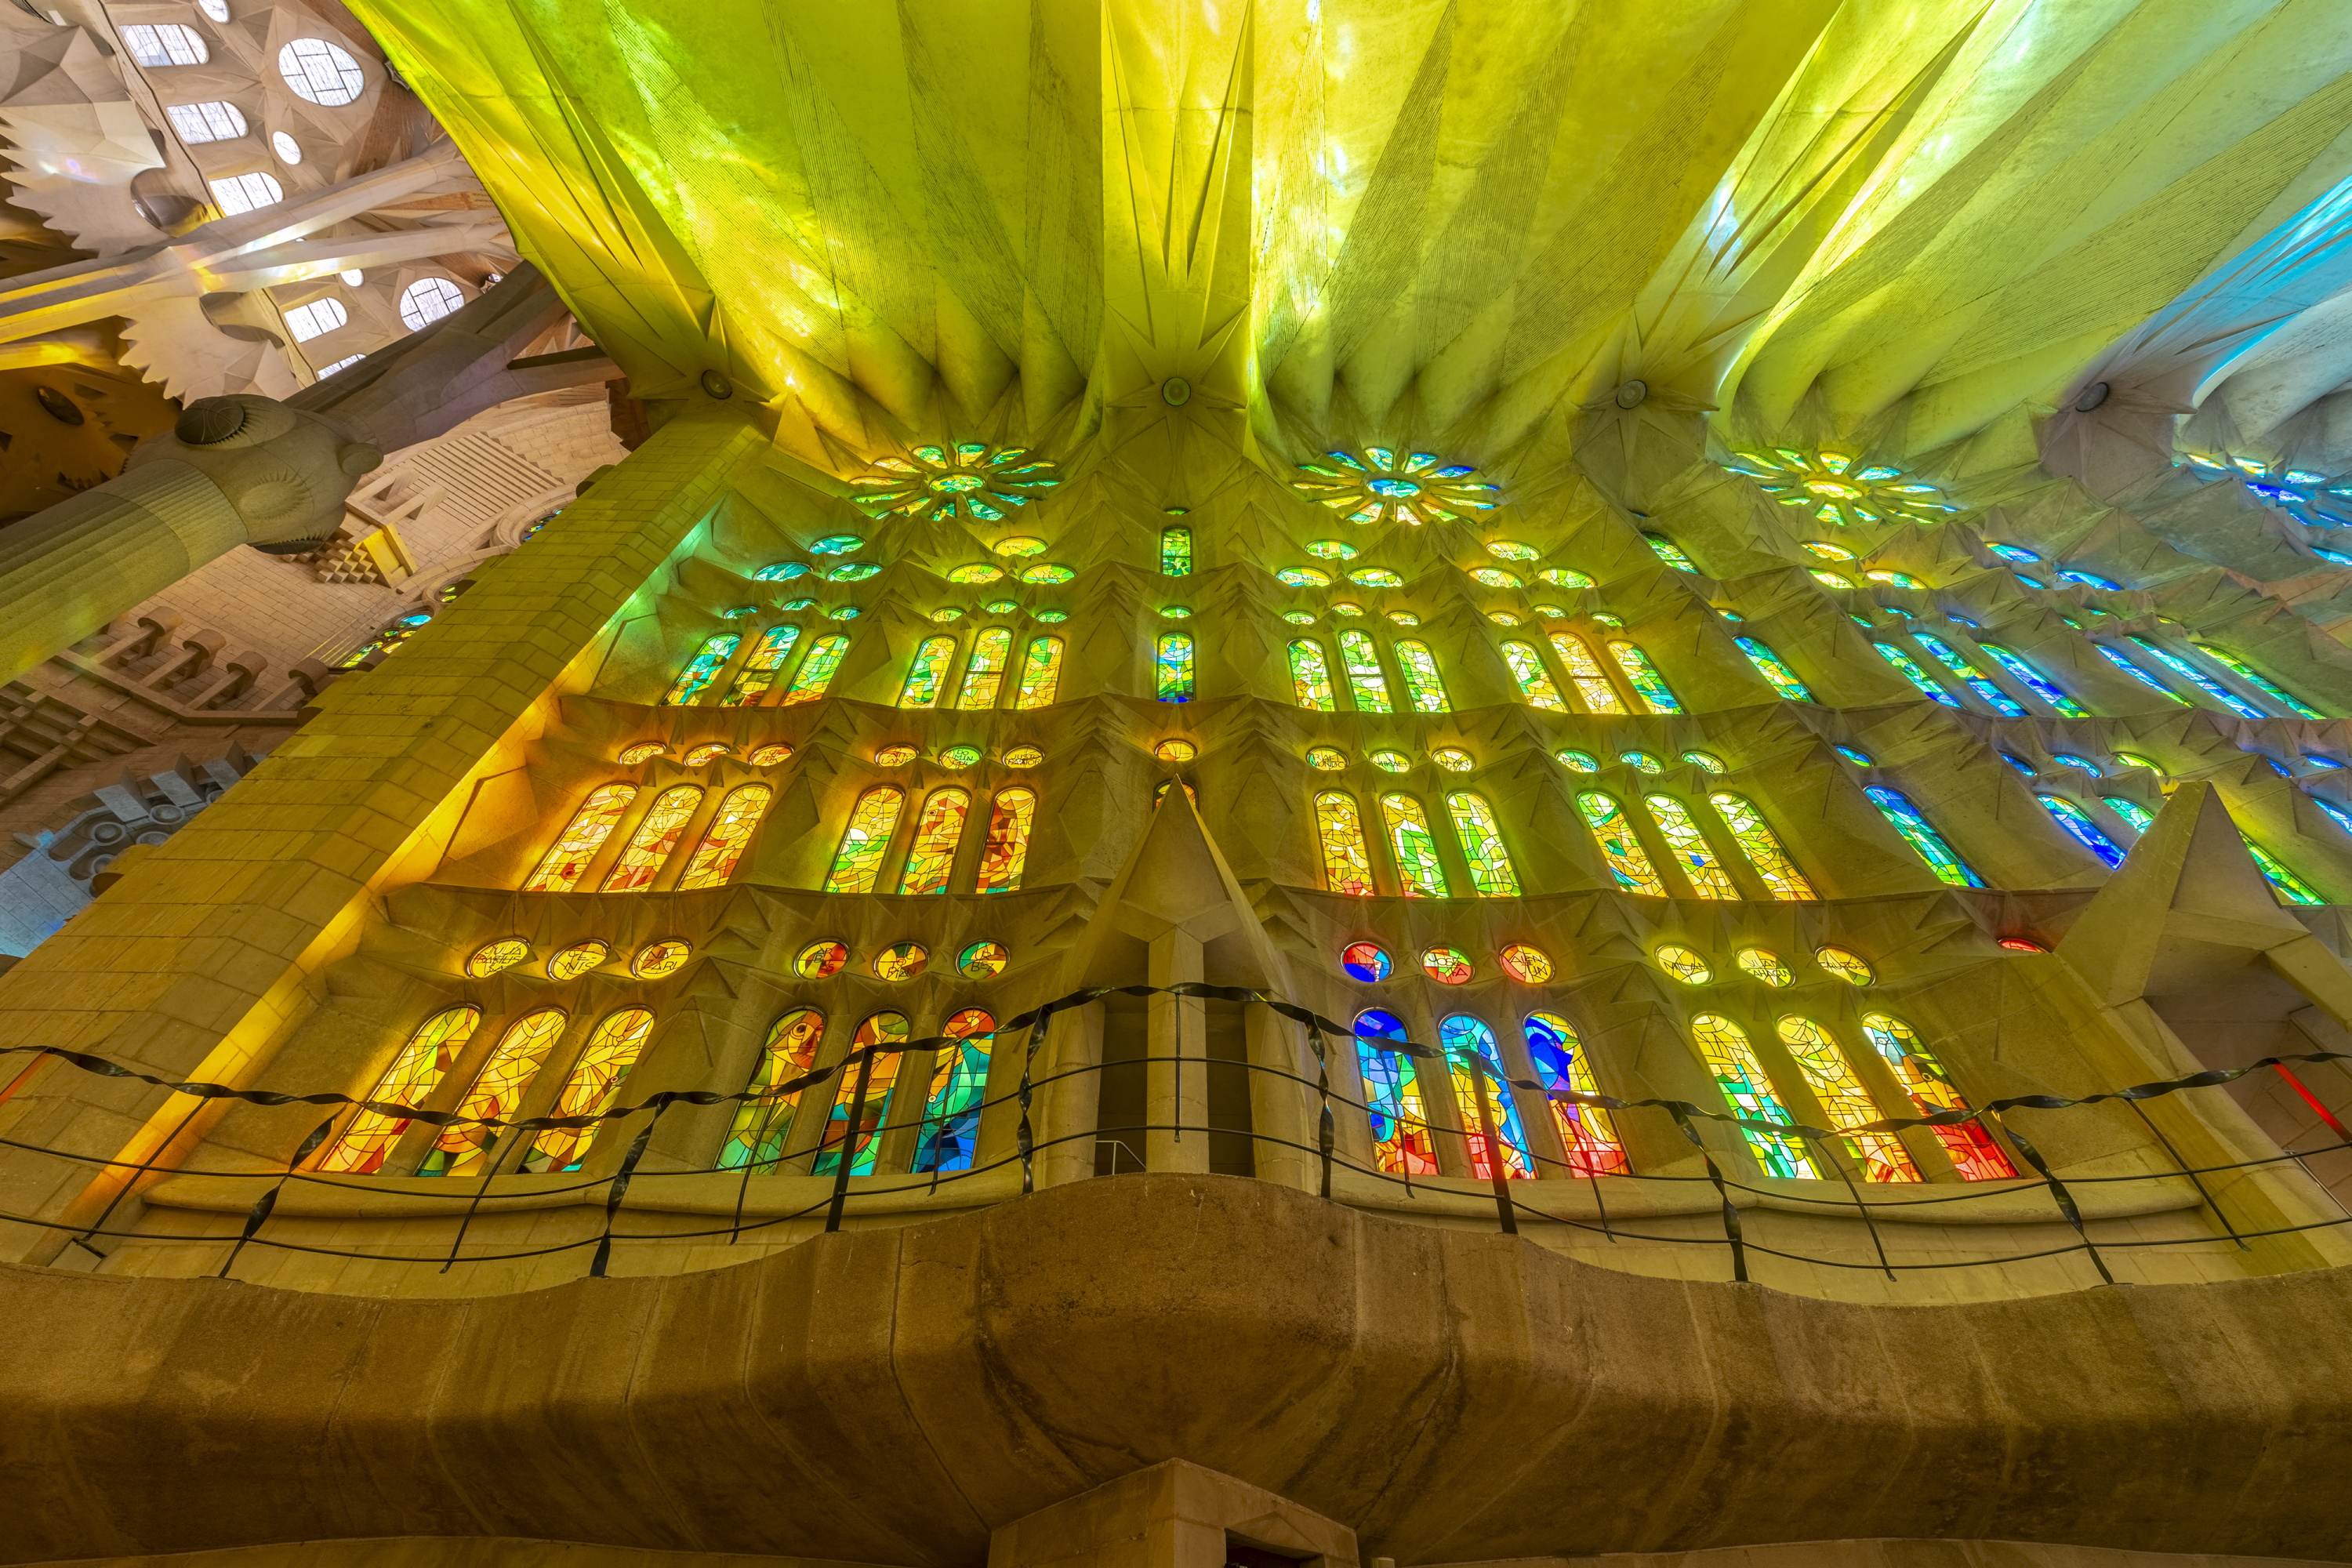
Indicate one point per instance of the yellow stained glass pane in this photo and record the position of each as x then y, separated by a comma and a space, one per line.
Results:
1763, 849
872, 821
1535, 680
577, 959
1006, 851
1693, 854
927, 676
1346, 868
491, 957
852, 1121
1310, 676
1847, 1104
729, 835
1041, 674
984, 672
595, 1078
763, 1121
1482, 846
1724, 1046
656, 835
938, 831
561, 870
1585, 674
1628, 861
497, 1092
367, 1141
815, 673
1421, 677
656, 960
1419, 872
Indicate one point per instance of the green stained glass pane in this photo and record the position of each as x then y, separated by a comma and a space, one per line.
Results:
760, 666
1041, 674
938, 831
1420, 679
1346, 865
983, 673
1669, 551
927, 676
858, 861
2291, 888
1365, 678
1535, 680
2261, 683
2199, 680
852, 572
1724, 1046
1696, 857
1310, 677
1975, 680
1628, 861
2131, 811
1779, 676
1761, 846
1647, 683
1899, 810
1482, 846
1173, 661
702, 669
2034, 681
815, 673
762, 1122
1418, 870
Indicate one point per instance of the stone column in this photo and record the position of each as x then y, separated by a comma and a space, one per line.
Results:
1178, 1097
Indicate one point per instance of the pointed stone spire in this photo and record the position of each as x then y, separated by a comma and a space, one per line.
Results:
1177, 881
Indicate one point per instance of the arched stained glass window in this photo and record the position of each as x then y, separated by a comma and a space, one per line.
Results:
2260, 682
1628, 862
729, 835
497, 1092
367, 1141
1006, 852
2115, 657
760, 666
2290, 887
1972, 1149
1415, 848
853, 1122
983, 673
2078, 822
567, 860
1346, 868
1584, 673
1041, 674
1467, 1043
1779, 676
815, 673
1762, 847
1366, 680
1535, 680
1174, 662
872, 821
950, 1134
1393, 1100
763, 1121
1847, 1104
1696, 857
1975, 679
702, 669
1176, 551
1482, 846
657, 834
2199, 680
1420, 679
595, 1078
1899, 810
926, 675
1724, 1046
938, 831
1647, 683
1929, 687
1310, 676
1591, 1137
2034, 681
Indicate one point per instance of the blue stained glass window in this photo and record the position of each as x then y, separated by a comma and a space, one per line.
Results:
2199, 680
1393, 1100
1858, 758
1779, 676
1897, 809
2115, 657
2091, 579
1918, 676
1975, 680
2033, 681
2077, 821
1174, 662
2021, 764
2336, 814
1465, 1039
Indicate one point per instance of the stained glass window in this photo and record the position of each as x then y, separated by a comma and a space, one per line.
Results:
938, 831
1535, 680
984, 672
1347, 869
1447, 965
1724, 1046
1684, 964
1975, 680
2077, 821
815, 673
2262, 683
1777, 675
864, 841
1647, 683
2115, 657
572, 962
1176, 551
1365, 678
1760, 963
1173, 661
702, 669
853, 1122
657, 959
1041, 674
762, 1123
1899, 810
1763, 849
561, 870
1973, 1153
492, 957
2199, 680
497, 1091
1365, 961
1584, 673
1591, 1137
927, 676
1415, 848
2292, 887
759, 667
1467, 1041
1528, 965
1482, 846
1847, 1104
1006, 851
1310, 677
1421, 680
1627, 861
950, 1134
595, 1078
1928, 684
657, 834
411, 1078
1398, 1109
1668, 551
725, 837
1696, 857
1849, 967
1706, 762
2034, 681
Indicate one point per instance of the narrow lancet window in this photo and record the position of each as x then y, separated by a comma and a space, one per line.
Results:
1628, 861
927, 676
765, 1119
1761, 846
1929, 687
2033, 681
595, 1078
1393, 1100
702, 669
367, 1142
1366, 680
850, 1128
1561, 1067
1006, 852
1470, 1044
872, 821
938, 831
1482, 846
1339, 822
1724, 1046
1693, 853
2078, 822
567, 860
724, 841
1975, 679
1041, 674
1776, 674
1535, 680
760, 666
657, 834
950, 1133
1176, 551
1420, 679
1585, 674
984, 672
1172, 661
815, 672
1972, 1151
497, 1091
1644, 676
1415, 848
1848, 1105
1310, 677
1899, 810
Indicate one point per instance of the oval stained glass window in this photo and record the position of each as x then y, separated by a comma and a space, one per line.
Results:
782, 572
842, 612
978, 572
1175, 751
769, 755
656, 958
1000, 606
1684, 964
1343, 608
1446, 965
946, 614
1303, 577
1375, 577
1453, 759
901, 961
1763, 965
960, 756
709, 751
983, 960
1330, 759
1578, 761
1559, 578
820, 960
1332, 549
577, 959
836, 544
1046, 572
1024, 757
1021, 544
1847, 966
491, 957
1296, 617
1390, 762
1404, 617
1706, 762
895, 756
1512, 550
1528, 965
1496, 577
1641, 759
1365, 961
643, 751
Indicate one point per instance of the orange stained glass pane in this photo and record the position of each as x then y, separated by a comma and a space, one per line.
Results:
497, 1091
854, 1121
606, 1060
938, 831
1585, 674
759, 672
1007, 849
926, 675
1831, 1079
1973, 1153
1585, 1130
815, 673
655, 836
1041, 674
1346, 865
412, 1076
983, 673
561, 870
872, 821
762, 1123
724, 841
